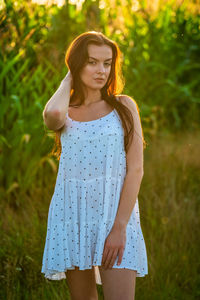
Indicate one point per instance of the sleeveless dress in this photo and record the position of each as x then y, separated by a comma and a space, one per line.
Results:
84, 204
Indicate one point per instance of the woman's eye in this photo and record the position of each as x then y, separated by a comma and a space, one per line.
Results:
91, 62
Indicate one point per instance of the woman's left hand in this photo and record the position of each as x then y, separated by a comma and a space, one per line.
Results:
114, 246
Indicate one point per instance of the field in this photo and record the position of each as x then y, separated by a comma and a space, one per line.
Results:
160, 46
169, 209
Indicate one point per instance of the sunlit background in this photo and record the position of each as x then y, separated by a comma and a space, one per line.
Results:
160, 45
59, 3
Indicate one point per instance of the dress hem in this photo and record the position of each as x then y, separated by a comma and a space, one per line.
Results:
61, 274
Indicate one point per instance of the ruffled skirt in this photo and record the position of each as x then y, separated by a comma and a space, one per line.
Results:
81, 215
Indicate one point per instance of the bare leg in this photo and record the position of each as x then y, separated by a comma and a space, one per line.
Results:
118, 284
82, 284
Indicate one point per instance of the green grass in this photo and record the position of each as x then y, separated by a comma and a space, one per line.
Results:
161, 67
169, 212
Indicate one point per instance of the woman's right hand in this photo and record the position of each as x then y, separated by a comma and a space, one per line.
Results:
68, 78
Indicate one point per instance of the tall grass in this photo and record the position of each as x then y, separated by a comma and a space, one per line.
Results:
169, 211
23, 138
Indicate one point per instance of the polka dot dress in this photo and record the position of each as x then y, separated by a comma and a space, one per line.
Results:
84, 204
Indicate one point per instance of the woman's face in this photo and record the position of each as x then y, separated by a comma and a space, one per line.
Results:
97, 66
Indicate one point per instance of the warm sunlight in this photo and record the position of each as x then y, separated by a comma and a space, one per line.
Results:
59, 3
75, 182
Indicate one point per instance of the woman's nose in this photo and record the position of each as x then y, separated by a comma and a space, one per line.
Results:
101, 68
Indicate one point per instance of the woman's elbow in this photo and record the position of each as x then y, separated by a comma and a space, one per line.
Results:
53, 119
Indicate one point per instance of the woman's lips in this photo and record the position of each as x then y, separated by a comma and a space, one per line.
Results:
99, 80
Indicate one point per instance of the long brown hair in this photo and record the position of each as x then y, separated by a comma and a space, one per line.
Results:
75, 58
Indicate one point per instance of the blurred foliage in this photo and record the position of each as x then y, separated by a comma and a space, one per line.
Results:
160, 45
160, 48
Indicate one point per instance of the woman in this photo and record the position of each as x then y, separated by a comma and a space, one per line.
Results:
93, 220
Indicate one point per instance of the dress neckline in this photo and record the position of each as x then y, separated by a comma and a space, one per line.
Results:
85, 122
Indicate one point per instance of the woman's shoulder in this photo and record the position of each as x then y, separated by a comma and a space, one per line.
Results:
127, 101
124, 98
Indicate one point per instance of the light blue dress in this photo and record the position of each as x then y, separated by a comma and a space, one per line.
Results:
84, 204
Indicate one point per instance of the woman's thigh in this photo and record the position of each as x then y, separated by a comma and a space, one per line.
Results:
82, 284
118, 284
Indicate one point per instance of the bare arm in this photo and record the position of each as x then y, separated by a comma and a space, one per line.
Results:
135, 172
55, 110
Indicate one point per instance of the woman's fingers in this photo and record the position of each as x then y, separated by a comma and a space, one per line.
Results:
121, 251
108, 258
113, 258
105, 253
69, 78
114, 245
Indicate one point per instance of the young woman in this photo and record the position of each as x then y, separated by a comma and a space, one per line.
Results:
93, 221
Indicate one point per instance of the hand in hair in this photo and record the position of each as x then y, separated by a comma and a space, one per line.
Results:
69, 78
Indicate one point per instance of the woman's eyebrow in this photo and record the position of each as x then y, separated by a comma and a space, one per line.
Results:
97, 59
